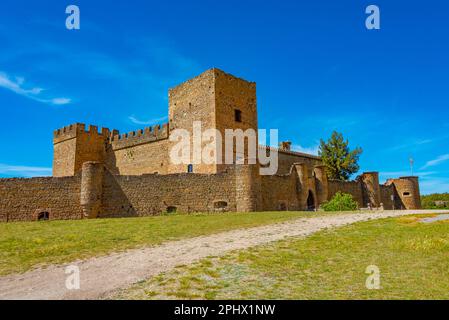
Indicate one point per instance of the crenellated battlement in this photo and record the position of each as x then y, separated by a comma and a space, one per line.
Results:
133, 138
76, 129
67, 132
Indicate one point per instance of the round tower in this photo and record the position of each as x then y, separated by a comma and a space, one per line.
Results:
371, 189
248, 187
307, 190
407, 189
321, 183
91, 188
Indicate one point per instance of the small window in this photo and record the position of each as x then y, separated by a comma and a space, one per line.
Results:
238, 115
406, 194
43, 216
282, 206
190, 168
220, 205
171, 209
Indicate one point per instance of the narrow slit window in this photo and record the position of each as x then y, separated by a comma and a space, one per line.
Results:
238, 115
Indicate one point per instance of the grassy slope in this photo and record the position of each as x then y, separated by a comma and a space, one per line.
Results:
24, 245
413, 259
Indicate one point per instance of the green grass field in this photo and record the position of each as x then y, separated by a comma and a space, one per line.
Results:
24, 245
412, 257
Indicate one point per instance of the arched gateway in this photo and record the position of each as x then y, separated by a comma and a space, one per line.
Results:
310, 202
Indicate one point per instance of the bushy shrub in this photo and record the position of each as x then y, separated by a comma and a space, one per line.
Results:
340, 202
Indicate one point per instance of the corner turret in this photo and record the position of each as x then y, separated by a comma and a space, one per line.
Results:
73, 145
408, 194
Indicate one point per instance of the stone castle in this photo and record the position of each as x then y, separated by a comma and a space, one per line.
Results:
107, 174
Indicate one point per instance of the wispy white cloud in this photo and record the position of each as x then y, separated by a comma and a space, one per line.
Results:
60, 101
436, 161
24, 171
309, 150
149, 122
17, 85
415, 143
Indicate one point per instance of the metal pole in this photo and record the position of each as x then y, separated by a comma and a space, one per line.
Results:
411, 165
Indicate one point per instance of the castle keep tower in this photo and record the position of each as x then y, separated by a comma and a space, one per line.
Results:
220, 101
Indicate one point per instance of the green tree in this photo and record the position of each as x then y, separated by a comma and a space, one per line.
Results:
339, 160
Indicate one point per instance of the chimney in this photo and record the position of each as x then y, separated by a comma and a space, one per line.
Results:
285, 145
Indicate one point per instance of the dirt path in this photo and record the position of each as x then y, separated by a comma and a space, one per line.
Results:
100, 276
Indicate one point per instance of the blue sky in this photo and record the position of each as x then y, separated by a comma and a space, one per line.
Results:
317, 69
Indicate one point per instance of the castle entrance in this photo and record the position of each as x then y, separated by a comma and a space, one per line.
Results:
310, 202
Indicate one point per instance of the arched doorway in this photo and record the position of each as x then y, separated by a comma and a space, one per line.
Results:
310, 202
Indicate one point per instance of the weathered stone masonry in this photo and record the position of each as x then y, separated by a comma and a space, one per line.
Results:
107, 174
25, 199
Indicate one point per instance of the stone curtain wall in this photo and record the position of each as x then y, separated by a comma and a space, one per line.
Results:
357, 190
96, 192
280, 193
24, 199
385, 197
122, 196
352, 187
145, 195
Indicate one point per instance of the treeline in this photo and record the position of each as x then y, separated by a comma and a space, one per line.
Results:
428, 201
